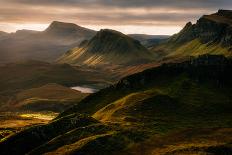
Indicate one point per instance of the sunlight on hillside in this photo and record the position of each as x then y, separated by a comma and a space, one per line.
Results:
43, 116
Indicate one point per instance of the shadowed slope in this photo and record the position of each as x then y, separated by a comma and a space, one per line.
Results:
46, 46
40, 134
108, 47
50, 97
157, 102
210, 35
18, 82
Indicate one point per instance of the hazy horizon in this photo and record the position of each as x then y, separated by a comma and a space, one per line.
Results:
125, 29
136, 16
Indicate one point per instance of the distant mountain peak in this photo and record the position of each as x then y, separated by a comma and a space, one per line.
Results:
61, 26
110, 31
47, 45
57, 24
105, 34
57, 27
107, 40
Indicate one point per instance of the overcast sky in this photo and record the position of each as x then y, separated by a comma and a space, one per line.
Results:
128, 16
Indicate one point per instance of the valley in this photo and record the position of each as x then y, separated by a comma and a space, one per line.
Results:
156, 102
76, 91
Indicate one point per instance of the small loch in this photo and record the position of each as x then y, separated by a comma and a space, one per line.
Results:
85, 89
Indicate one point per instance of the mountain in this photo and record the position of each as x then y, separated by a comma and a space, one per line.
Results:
108, 47
176, 108
68, 33
210, 35
47, 45
149, 40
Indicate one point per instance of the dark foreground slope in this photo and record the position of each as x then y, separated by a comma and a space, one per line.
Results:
180, 108
210, 35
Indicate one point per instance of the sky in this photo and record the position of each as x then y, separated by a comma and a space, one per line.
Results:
128, 16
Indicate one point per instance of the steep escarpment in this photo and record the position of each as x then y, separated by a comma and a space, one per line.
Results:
211, 34
215, 28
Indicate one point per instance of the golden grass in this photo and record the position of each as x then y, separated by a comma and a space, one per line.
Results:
50, 91
13, 122
108, 113
69, 149
41, 116
195, 48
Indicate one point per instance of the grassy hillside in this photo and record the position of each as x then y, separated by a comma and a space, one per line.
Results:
108, 47
50, 97
187, 142
210, 35
27, 85
193, 48
187, 102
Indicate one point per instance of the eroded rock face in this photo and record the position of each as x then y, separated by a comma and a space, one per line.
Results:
209, 29
225, 13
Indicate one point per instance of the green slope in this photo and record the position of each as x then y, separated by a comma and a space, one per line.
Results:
108, 47
23, 77
50, 97
210, 35
142, 108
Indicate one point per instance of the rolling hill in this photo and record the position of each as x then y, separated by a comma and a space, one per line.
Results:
108, 47
49, 97
32, 78
176, 108
210, 35
47, 45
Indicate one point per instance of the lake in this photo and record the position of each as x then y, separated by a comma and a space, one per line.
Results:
85, 89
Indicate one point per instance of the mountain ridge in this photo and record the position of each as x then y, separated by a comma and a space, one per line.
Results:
107, 47
45, 45
61, 29
210, 35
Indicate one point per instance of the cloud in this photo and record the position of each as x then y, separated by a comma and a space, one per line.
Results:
131, 3
109, 12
